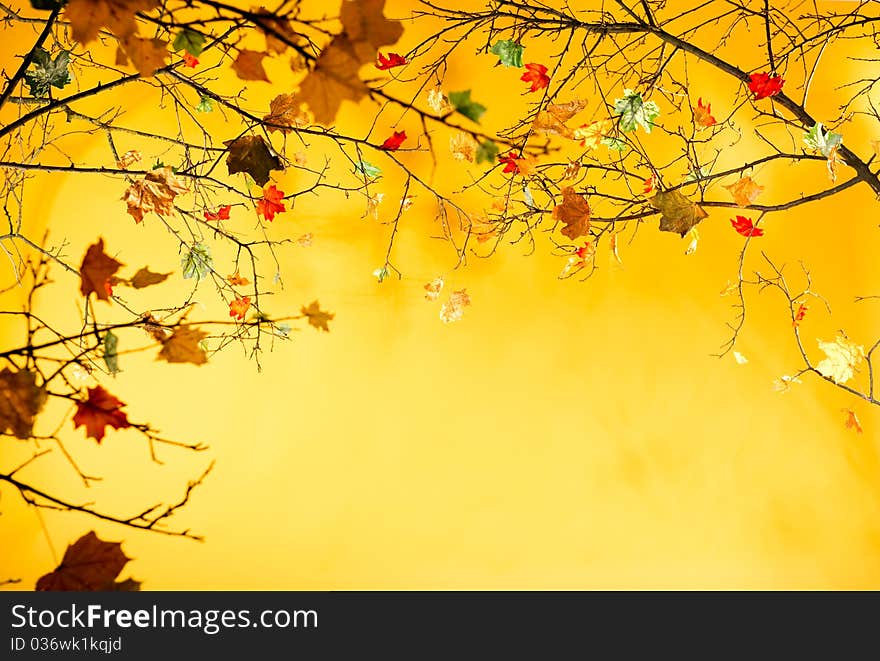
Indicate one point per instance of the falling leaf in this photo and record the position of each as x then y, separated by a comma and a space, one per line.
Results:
591, 134
433, 289
249, 65
571, 170
852, 421
574, 213
763, 85
222, 213
238, 308
695, 241
96, 270
237, 280
384, 63
89, 565
99, 411
453, 309
333, 80
128, 159
745, 227
367, 169
799, 314
678, 213
373, 202
183, 346
703, 114
832, 162
438, 102
155, 192
536, 74
463, 147
252, 155
785, 382
635, 111
147, 55
509, 53
88, 17
744, 191
271, 203
286, 113
111, 354
21, 399
740, 359
393, 142
842, 359
197, 262
146, 278
317, 317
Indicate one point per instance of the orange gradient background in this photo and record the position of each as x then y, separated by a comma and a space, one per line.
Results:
562, 435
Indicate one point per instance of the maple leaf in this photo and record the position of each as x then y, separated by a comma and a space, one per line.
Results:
190, 61
551, 120
649, 185
591, 134
89, 565
128, 159
147, 55
249, 65
842, 359
334, 79
271, 203
364, 22
21, 399
155, 192
678, 213
799, 314
99, 411
510, 161
384, 63
536, 74
463, 147
46, 72
453, 309
88, 17
182, 346
393, 142
703, 114
439, 103
744, 191
146, 278
277, 30
239, 307
509, 53
635, 111
763, 85
96, 270
433, 289
852, 421
190, 41
285, 113
739, 358
574, 212
317, 317
252, 155
745, 227
464, 105
221, 214
237, 280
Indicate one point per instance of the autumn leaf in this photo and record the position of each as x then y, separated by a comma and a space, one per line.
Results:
252, 155
763, 85
703, 114
249, 65
433, 289
510, 53
464, 105
744, 191
286, 113
678, 213
89, 565
745, 227
146, 278
190, 41
88, 17
463, 147
536, 74
364, 22
551, 120
799, 314
384, 63
237, 280
190, 61
438, 101
333, 80
96, 270
510, 162
155, 192
271, 203
238, 308
317, 317
852, 421
111, 352
277, 30
99, 411
634, 111
182, 346
842, 357
147, 55
591, 134
128, 159
453, 309
740, 358
222, 213
649, 185
393, 142
574, 212
21, 399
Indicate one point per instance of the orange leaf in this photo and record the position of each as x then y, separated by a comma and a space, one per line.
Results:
155, 192
249, 65
703, 114
574, 212
147, 55
239, 307
96, 270
99, 411
852, 420
744, 191
286, 113
271, 203
236, 280
183, 346
334, 79
536, 74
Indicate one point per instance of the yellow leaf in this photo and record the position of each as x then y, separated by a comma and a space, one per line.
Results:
591, 134
463, 147
147, 55
88, 17
317, 317
453, 309
433, 289
745, 191
842, 359
678, 213
183, 346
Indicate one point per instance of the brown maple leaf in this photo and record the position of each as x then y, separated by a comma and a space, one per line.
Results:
155, 192
89, 565
88, 17
279, 33
317, 317
744, 191
551, 121
334, 79
182, 346
146, 278
285, 113
21, 399
96, 270
147, 55
99, 411
574, 212
679, 214
251, 154
249, 65
364, 23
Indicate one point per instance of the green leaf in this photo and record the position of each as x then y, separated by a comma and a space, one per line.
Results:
615, 144
697, 173
206, 104
487, 152
47, 73
462, 103
817, 138
197, 262
191, 41
509, 53
381, 273
367, 169
111, 358
635, 112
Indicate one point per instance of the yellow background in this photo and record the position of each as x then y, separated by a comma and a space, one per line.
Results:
562, 435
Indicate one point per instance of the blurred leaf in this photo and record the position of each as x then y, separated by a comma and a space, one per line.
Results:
463, 105
189, 40
111, 358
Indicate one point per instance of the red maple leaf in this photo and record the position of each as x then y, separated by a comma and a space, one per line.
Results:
271, 203
239, 307
393, 143
510, 164
703, 114
190, 60
650, 184
221, 214
745, 227
536, 74
100, 410
800, 314
393, 60
763, 85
